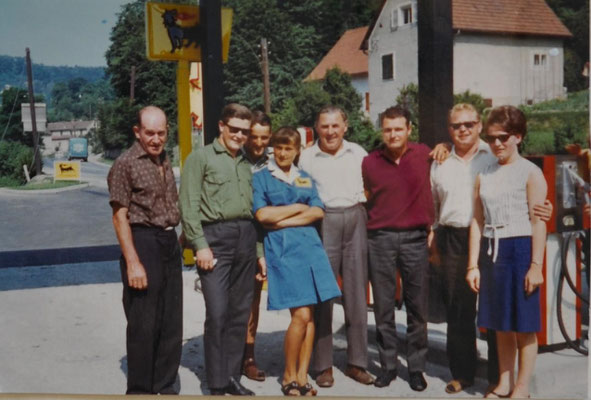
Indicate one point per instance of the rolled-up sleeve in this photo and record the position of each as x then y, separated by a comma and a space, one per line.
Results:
190, 200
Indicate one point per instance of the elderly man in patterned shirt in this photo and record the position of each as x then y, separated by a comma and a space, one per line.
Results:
144, 200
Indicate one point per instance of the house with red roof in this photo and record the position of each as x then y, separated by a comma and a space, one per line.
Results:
347, 54
508, 51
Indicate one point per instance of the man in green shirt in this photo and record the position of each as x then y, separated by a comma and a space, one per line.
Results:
216, 214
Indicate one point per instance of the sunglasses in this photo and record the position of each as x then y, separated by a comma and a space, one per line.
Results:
234, 130
467, 124
492, 139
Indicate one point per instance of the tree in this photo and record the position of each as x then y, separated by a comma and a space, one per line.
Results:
575, 15
10, 116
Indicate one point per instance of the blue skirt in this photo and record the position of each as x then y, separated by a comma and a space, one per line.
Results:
502, 303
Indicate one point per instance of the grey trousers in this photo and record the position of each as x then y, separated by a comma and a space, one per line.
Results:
228, 291
407, 251
344, 236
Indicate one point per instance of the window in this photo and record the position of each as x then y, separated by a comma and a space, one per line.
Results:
403, 15
388, 66
539, 60
406, 15
367, 101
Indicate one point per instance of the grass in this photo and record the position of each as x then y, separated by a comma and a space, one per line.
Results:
47, 185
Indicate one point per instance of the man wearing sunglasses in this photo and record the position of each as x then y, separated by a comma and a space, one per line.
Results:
452, 185
216, 212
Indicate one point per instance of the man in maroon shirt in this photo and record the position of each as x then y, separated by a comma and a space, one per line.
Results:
400, 214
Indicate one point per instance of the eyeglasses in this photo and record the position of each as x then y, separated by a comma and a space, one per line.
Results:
492, 139
467, 124
234, 130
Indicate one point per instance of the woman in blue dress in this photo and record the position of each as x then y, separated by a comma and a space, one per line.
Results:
506, 250
286, 203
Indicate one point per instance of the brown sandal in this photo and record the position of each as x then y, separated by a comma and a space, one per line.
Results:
308, 390
250, 370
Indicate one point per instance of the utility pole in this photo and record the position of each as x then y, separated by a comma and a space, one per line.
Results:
33, 119
265, 70
132, 85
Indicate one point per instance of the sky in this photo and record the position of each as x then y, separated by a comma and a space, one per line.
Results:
58, 32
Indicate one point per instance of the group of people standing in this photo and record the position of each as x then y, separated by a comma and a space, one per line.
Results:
331, 212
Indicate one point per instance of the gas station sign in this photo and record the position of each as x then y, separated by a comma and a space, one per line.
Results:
173, 32
66, 170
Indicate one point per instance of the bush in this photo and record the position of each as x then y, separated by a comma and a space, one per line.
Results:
13, 156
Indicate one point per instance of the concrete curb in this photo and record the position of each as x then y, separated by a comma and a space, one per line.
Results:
43, 191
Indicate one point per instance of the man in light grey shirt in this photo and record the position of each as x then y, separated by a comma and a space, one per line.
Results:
335, 166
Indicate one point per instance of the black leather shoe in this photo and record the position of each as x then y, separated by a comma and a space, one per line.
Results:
417, 381
236, 389
385, 378
217, 392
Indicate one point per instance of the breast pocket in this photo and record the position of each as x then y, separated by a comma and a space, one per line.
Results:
278, 198
216, 186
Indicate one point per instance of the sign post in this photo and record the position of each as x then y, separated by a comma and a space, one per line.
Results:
177, 32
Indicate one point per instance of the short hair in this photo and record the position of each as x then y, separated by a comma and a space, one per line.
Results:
259, 117
142, 110
235, 110
394, 112
511, 120
286, 135
330, 109
463, 107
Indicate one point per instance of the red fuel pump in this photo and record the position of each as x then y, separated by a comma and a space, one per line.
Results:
562, 299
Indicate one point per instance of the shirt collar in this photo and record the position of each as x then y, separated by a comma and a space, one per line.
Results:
483, 147
263, 160
278, 173
137, 151
318, 151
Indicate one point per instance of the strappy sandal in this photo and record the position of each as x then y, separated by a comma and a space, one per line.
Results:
291, 389
308, 390
494, 395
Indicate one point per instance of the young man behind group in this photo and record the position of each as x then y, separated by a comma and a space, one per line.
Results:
255, 151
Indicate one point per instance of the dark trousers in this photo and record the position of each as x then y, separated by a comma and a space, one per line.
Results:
344, 237
460, 303
155, 315
228, 291
407, 251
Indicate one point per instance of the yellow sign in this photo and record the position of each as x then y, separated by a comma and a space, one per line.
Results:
66, 170
173, 32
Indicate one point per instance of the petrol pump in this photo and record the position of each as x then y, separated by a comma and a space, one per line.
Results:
562, 300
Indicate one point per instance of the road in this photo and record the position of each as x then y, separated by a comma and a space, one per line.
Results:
75, 218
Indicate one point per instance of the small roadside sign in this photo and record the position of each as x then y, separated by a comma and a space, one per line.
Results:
173, 32
66, 170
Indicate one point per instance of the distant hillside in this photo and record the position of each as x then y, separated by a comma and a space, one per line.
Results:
13, 72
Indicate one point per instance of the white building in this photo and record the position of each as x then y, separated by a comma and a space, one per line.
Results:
508, 51
59, 133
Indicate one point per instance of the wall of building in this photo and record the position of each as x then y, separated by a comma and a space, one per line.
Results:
361, 85
401, 41
503, 68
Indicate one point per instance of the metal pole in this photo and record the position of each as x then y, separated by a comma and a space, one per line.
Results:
33, 118
265, 70
211, 58
435, 69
